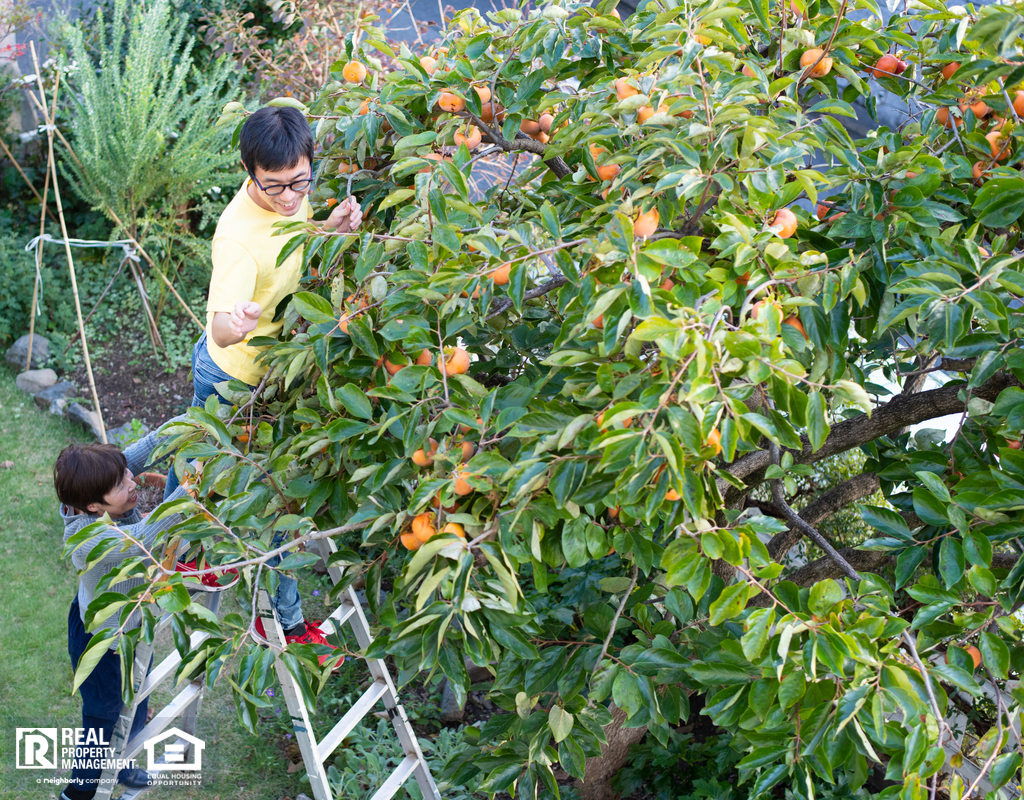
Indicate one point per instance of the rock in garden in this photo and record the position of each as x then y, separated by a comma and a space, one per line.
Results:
57, 406
59, 391
124, 435
83, 416
18, 352
34, 381
451, 711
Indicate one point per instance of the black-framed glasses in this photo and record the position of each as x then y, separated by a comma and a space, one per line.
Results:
301, 187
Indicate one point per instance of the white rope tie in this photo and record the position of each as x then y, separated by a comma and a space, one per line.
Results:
126, 245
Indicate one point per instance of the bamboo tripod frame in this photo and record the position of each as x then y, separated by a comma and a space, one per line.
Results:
48, 112
52, 169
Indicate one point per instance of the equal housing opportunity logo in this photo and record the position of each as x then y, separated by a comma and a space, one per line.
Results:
53, 748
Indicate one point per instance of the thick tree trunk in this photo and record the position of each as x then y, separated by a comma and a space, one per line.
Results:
598, 773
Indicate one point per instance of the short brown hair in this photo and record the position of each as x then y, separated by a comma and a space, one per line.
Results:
85, 473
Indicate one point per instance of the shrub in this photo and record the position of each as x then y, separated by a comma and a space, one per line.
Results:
144, 146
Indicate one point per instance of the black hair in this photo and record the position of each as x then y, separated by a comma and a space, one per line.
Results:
275, 138
86, 473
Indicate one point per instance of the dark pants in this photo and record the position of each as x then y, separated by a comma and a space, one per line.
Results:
101, 699
205, 373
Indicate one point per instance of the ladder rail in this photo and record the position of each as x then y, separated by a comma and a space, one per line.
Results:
382, 689
144, 682
353, 717
293, 701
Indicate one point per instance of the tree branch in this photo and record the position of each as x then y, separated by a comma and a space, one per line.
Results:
822, 507
868, 561
898, 413
548, 286
522, 142
808, 530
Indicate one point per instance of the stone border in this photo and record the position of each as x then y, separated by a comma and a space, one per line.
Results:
56, 396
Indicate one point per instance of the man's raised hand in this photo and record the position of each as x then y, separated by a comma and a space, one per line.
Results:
243, 318
347, 217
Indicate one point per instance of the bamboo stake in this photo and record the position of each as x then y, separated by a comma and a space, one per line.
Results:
39, 266
154, 333
52, 166
39, 256
156, 269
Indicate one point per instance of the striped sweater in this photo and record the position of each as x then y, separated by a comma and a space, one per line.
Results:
138, 528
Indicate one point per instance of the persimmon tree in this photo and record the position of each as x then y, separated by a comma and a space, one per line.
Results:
694, 284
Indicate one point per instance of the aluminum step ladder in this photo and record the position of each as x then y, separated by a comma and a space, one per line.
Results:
382, 689
184, 705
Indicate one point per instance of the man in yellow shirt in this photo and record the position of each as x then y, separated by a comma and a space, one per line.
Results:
247, 284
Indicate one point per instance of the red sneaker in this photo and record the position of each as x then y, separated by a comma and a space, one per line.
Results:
313, 635
212, 580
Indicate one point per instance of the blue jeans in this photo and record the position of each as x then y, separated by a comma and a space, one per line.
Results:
101, 701
205, 374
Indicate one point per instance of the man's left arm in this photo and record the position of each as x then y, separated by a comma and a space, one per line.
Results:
346, 218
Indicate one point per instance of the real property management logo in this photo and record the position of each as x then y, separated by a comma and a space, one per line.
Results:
50, 748
37, 748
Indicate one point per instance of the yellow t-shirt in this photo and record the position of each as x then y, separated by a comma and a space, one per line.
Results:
245, 252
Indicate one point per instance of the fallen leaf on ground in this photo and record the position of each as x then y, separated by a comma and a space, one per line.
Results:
6, 464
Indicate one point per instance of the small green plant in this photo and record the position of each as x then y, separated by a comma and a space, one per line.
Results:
372, 752
683, 767
688, 769
135, 432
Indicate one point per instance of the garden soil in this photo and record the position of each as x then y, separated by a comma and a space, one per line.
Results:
134, 386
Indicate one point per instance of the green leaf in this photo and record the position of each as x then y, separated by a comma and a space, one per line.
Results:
313, 307
907, 562
574, 543
817, 425
999, 202
887, 521
792, 688
626, 694
951, 561
560, 721
929, 508
994, 654
935, 485
729, 603
978, 549
824, 595
754, 640
354, 400
94, 651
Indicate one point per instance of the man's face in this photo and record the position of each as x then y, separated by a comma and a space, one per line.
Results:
288, 203
120, 500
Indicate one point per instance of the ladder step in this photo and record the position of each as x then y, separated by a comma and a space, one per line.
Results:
166, 668
163, 719
337, 618
397, 778
354, 716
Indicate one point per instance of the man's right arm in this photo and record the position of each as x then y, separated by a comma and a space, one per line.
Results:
231, 327
232, 287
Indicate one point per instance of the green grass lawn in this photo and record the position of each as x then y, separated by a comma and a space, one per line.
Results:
35, 672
